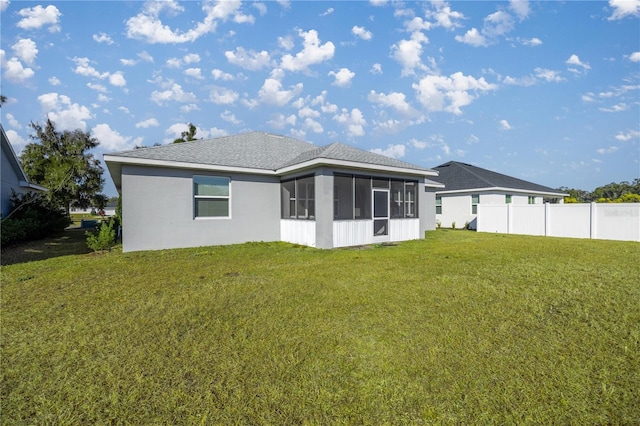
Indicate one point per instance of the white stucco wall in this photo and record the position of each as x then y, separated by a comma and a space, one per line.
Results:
457, 207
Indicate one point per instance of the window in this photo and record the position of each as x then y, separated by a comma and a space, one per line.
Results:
397, 199
298, 198
475, 200
211, 196
507, 198
438, 204
410, 198
362, 205
532, 199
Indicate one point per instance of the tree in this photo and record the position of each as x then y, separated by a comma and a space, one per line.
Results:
60, 161
187, 135
3, 100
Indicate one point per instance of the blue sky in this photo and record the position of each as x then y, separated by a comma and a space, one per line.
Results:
544, 91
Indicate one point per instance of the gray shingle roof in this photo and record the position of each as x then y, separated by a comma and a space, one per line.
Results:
259, 150
460, 176
256, 150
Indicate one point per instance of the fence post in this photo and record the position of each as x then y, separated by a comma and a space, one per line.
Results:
547, 219
592, 217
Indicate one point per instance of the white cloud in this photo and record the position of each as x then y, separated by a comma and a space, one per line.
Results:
26, 50
223, 96
286, 42
148, 27
504, 125
361, 32
128, 62
17, 141
393, 151
444, 17
64, 113
328, 12
145, 124
418, 144
84, 68
194, 73
102, 38
249, 60
547, 75
54, 81
12, 121
616, 108
472, 38
221, 75
271, 92
111, 140
97, 87
213, 132
262, 8
353, 120
532, 42
38, 16
497, 24
229, 117
280, 121
343, 77
14, 71
408, 53
395, 100
189, 107
312, 53
117, 79
624, 8
575, 60
609, 150
3, 5
312, 125
145, 56
191, 58
520, 8
631, 134
307, 111
175, 93
634, 57
376, 69
450, 94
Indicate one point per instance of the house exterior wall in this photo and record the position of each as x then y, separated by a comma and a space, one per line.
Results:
158, 210
10, 181
457, 207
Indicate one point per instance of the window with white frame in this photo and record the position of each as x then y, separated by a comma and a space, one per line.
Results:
475, 200
532, 199
507, 199
211, 196
438, 204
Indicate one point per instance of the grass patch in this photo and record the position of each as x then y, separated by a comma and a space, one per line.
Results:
72, 241
462, 327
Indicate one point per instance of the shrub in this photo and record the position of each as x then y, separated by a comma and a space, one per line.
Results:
467, 225
453, 225
438, 224
32, 217
103, 239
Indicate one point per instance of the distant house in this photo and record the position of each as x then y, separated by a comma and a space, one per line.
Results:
13, 177
466, 186
263, 187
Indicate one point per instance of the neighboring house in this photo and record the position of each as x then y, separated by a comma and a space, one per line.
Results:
13, 177
466, 186
262, 187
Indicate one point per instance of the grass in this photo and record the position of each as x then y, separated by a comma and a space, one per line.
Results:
460, 328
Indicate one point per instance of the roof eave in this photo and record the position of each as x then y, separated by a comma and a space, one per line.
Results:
503, 189
317, 162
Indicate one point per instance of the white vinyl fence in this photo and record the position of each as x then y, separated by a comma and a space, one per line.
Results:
604, 221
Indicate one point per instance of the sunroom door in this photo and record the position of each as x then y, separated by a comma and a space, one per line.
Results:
380, 213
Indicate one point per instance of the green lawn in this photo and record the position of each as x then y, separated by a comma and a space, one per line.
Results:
460, 328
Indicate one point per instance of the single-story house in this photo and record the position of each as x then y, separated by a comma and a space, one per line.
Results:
13, 176
466, 186
258, 186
